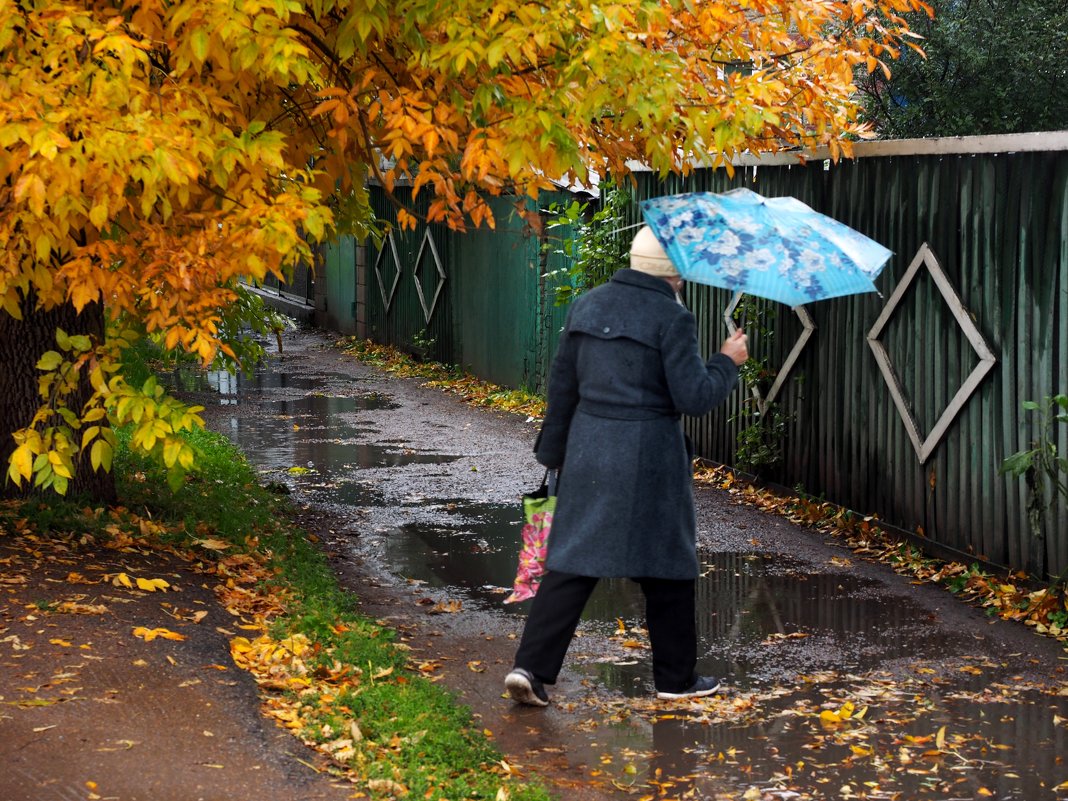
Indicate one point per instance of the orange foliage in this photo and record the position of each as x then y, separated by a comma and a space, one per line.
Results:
156, 153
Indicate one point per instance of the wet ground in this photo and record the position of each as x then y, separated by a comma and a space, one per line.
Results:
91, 712
846, 679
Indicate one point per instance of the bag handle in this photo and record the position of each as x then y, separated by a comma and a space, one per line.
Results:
550, 480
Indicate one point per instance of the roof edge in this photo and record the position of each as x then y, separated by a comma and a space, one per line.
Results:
933, 146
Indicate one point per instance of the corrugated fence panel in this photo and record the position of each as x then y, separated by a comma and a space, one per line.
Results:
554, 266
338, 267
404, 275
997, 224
496, 299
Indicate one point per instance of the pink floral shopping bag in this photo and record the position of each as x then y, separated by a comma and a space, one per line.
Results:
538, 508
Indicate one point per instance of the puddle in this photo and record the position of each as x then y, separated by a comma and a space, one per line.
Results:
754, 614
232, 388
994, 750
476, 555
296, 442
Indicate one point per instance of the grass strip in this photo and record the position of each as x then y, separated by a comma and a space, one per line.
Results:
334, 678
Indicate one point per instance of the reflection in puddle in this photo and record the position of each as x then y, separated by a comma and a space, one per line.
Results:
313, 433
233, 385
1003, 750
810, 621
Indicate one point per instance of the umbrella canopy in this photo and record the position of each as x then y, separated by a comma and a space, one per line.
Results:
776, 248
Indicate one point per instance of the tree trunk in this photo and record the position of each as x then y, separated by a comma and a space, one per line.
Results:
21, 344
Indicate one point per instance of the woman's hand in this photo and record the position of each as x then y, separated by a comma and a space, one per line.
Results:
735, 348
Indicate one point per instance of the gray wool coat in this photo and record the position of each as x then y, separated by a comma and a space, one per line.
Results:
627, 367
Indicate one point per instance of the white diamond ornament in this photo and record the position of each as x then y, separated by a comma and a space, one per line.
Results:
428, 246
925, 445
387, 296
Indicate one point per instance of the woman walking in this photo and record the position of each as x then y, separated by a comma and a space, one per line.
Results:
628, 366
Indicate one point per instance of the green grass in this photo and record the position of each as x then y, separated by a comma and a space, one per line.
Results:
442, 754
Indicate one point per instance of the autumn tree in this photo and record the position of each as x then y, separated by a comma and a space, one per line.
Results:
156, 154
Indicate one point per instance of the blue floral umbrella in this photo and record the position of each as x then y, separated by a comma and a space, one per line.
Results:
775, 248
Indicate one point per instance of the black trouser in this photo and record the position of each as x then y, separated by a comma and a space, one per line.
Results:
670, 614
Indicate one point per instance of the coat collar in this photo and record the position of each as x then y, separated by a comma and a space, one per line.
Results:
644, 281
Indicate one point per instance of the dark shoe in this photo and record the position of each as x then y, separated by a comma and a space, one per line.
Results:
705, 685
525, 689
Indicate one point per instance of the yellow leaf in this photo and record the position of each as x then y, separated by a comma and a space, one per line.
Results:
21, 464
151, 585
100, 455
121, 580
10, 303
98, 215
44, 247
940, 738
150, 634
59, 466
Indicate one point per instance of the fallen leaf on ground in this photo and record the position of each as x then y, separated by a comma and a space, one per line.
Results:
122, 745
78, 578
151, 585
387, 786
76, 608
833, 717
446, 607
150, 634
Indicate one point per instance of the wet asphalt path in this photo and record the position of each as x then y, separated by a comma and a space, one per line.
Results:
415, 496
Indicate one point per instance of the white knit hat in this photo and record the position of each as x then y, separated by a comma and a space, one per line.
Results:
648, 256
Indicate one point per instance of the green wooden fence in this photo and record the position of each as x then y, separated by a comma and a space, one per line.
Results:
479, 299
993, 214
996, 223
